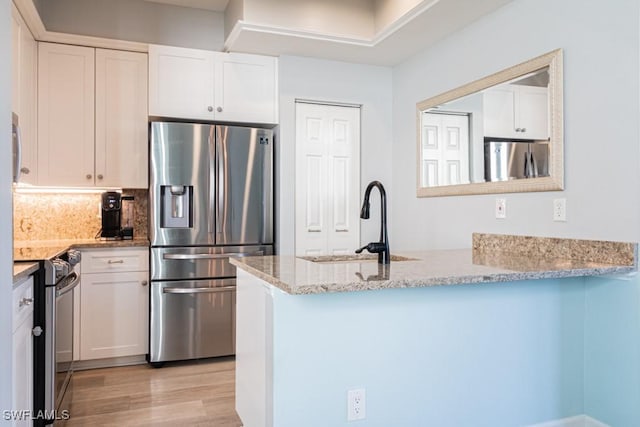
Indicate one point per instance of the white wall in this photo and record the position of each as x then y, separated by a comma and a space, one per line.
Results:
314, 79
601, 48
135, 20
6, 246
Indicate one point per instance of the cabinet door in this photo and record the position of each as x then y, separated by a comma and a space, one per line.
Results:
121, 119
22, 371
65, 115
114, 315
15, 59
28, 104
181, 83
499, 113
533, 112
246, 88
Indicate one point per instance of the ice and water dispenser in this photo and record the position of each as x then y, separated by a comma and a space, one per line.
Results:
176, 205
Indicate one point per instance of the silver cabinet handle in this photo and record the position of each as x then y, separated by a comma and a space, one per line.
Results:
25, 170
523, 130
342, 230
37, 331
25, 301
100, 176
119, 261
144, 283
211, 256
198, 290
89, 176
219, 109
209, 108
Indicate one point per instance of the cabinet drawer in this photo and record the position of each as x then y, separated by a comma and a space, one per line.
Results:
22, 305
115, 260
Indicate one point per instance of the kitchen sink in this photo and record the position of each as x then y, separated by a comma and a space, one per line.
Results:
333, 259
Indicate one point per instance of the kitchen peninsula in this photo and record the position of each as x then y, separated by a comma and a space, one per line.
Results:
507, 340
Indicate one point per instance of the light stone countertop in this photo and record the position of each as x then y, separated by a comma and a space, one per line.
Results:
45, 249
22, 270
430, 268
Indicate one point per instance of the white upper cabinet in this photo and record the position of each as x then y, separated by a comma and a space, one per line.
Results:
181, 83
121, 119
65, 115
24, 82
205, 85
92, 117
516, 111
246, 88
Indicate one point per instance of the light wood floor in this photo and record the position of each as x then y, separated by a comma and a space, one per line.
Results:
181, 394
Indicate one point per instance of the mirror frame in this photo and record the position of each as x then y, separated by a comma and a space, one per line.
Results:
555, 180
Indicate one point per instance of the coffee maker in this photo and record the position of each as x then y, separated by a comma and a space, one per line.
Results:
111, 208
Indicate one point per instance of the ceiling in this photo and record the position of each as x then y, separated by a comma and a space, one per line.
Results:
214, 5
418, 29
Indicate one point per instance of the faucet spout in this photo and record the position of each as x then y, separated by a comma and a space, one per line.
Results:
381, 247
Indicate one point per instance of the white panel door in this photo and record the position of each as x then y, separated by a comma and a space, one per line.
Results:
181, 83
65, 115
114, 315
445, 149
246, 88
327, 179
121, 119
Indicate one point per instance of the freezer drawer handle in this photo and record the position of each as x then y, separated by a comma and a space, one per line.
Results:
120, 261
211, 256
197, 290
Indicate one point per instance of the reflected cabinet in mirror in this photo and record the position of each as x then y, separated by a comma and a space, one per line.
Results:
499, 134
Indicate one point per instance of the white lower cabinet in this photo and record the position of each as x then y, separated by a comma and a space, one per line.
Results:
114, 303
22, 372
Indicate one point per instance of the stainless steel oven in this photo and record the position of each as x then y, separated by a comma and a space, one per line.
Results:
61, 278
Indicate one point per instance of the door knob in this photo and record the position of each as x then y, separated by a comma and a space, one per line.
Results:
37, 331
209, 108
25, 170
89, 176
100, 176
143, 283
219, 109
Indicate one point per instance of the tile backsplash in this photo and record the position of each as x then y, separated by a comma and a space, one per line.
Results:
51, 216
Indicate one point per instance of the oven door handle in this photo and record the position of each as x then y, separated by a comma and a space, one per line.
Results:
198, 290
211, 256
71, 281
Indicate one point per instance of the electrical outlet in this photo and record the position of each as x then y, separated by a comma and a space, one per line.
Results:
501, 208
356, 405
559, 209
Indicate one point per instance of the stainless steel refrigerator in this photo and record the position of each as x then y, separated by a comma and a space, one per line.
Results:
211, 197
507, 160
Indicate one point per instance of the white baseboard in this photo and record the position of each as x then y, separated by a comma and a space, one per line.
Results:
577, 421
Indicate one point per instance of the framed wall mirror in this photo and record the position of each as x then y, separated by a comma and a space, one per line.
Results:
499, 134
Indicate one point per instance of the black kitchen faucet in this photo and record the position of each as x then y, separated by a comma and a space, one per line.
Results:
382, 247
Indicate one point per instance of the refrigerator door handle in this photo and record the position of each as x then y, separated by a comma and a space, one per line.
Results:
220, 169
211, 256
198, 290
534, 167
212, 180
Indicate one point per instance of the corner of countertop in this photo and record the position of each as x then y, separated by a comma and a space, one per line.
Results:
600, 251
